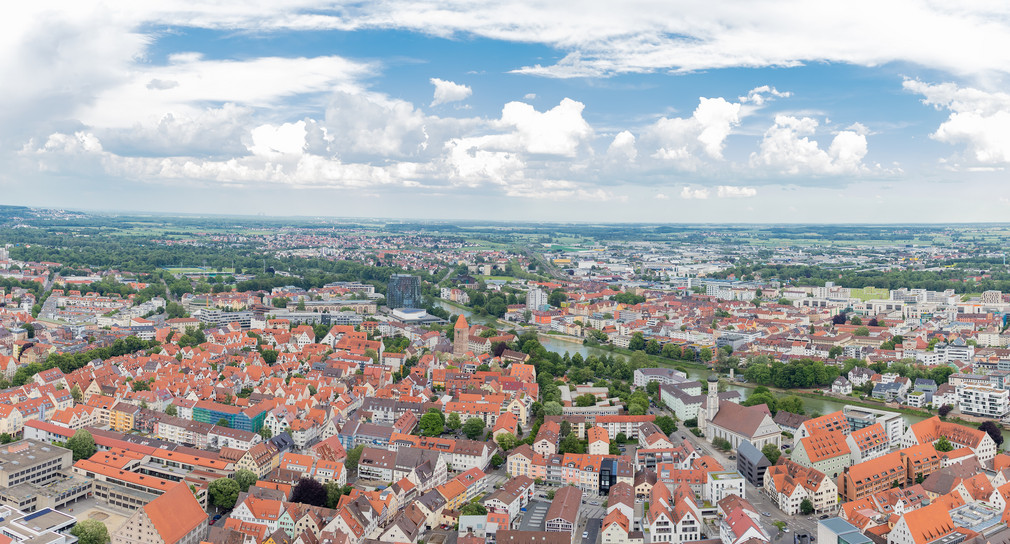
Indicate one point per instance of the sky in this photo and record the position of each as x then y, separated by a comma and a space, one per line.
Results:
634, 111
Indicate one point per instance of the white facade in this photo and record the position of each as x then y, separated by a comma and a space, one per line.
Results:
983, 401
723, 484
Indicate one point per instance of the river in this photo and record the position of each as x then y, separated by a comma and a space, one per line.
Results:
559, 345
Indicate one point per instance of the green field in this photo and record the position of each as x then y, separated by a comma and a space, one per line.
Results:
869, 293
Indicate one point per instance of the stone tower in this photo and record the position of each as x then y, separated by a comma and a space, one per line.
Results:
711, 404
461, 337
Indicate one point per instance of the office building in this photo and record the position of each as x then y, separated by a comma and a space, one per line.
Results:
403, 291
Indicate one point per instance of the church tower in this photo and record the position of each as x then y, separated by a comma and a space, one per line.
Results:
711, 404
461, 337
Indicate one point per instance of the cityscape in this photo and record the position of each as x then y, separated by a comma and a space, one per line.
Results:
247, 380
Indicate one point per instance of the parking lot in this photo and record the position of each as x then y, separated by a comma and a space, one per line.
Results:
534, 518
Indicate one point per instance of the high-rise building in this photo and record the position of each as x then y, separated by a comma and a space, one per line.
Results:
403, 291
535, 299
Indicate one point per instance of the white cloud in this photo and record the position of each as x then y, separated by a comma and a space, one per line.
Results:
623, 146
979, 120
680, 139
730, 191
286, 139
757, 95
447, 91
688, 193
787, 149
560, 130
530, 96
661, 196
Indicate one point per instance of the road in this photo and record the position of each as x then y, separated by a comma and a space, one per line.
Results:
593, 526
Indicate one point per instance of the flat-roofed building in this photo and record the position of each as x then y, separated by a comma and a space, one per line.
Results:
32, 461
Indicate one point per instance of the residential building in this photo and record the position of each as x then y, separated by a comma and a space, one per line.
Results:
751, 463
175, 517
563, 515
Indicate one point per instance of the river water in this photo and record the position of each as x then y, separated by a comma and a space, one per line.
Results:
559, 345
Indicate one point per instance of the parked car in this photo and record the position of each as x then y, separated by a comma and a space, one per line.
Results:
825, 516
585, 534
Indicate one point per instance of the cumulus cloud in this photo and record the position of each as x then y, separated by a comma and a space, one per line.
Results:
730, 191
447, 91
285, 139
681, 139
978, 120
688, 193
623, 146
786, 148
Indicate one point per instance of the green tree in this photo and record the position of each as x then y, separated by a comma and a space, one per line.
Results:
497, 460
637, 342
585, 400
835, 351
473, 428
722, 443
82, 444
666, 423
473, 508
172, 410
506, 441
265, 432
90, 531
792, 404
861, 331
452, 422
943, 444
432, 423
806, 507
6, 438
223, 492
353, 456
552, 408
245, 478
856, 320
223, 422
333, 493
771, 452
705, 354
571, 444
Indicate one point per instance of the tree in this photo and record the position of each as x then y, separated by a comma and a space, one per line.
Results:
692, 423
565, 428
452, 422
552, 408
622, 438
943, 444
334, 491
792, 404
806, 507
6, 438
82, 444
705, 354
245, 478
637, 342
223, 492
171, 410
771, 452
861, 331
353, 456
557, 297
835, 351
75, 392
432, 423
473, 428
856, 320
992, 428
506, 441
497, 460
652, 388
223, 422
309, 491
90, 531
666, 423
265, 432
473, 508
585, 400
571, 444
722, 443
944, 410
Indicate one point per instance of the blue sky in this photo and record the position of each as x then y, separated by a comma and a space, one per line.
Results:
776, 111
